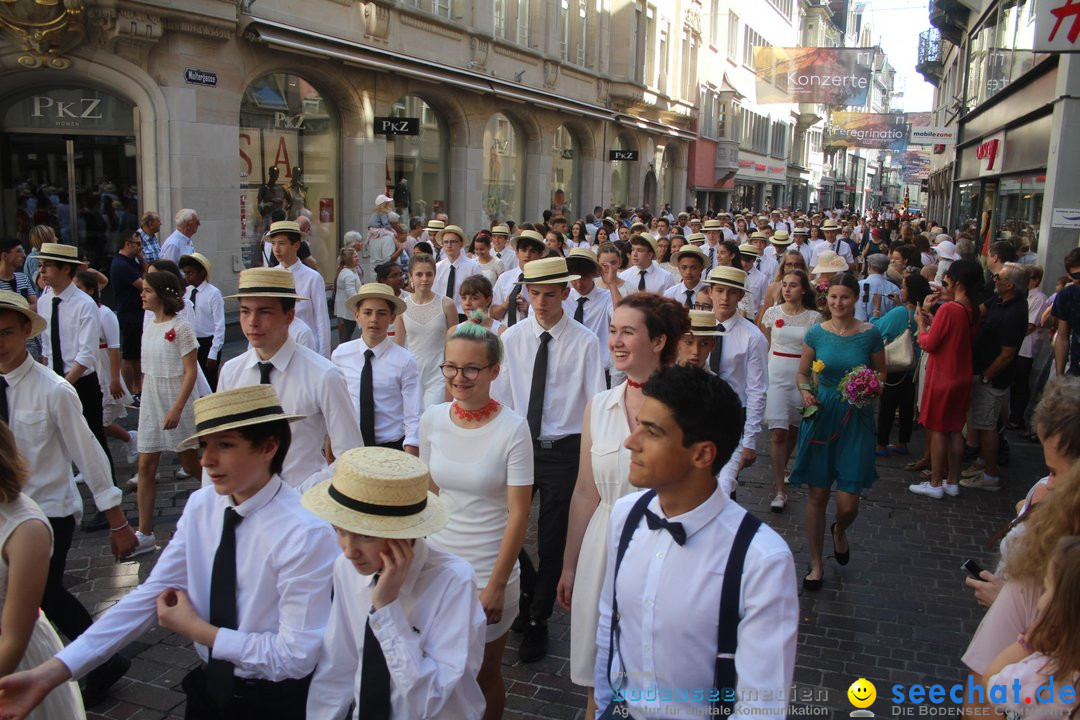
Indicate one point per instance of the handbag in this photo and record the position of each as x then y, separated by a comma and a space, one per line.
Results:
900, 353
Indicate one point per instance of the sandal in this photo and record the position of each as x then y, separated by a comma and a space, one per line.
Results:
920, 464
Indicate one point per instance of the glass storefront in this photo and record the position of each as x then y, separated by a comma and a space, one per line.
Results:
289, 163
70, 161
1000, 50
620, 174
416, 165
1019, 209
565, 173
504, 170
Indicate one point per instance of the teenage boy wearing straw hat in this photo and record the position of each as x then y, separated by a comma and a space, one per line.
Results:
307, 383
715, 233
246, 577
285, 237
588, 303
773, 256
832, 241
690, 260
44, 414
406, 631
509, 300
382, 376
552, 369
208, 313
741, 358
696, 345
500, 235
454, 267
644, 275
756, 281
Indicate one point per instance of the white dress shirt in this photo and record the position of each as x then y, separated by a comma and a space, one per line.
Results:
51, 433
301, 334
574, 374
80, 328
284, 563
711, 252
657, 279
668, 643
432, 637
597, 311
838, 246
313, 311
505, 285
879, 286
507, 256
806, 251
208, 316
395, 385
677, 292
176, 245
744, 365
464, 266
768, 263
308, 384
757, 283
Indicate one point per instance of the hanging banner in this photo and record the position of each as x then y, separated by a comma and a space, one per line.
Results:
832, 76
876, 131
915, 165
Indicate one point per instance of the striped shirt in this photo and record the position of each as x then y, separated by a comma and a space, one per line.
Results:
19, 283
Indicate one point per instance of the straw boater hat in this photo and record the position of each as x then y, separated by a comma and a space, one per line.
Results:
547, 271
829, 261
377, 291
649, 240
267, 282
639, 227
830, 225
689, 251
703, 323
500, 230
712, 225
237, 408
58, 252
727, 276
379, 492
579, 257
749, 250
283, 226
14, 301
800, 231
695, 221
197, 258
696, 238
453, 230
758, 235
434, 226
530, 235
780, 237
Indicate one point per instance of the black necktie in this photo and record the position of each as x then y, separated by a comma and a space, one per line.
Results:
374, 678
450, 282
689, 298
367, 400
712, 257
579, 314
511, 312
714, 360
678, 532
194, 292
4, 401
54, 336
264, 372
539, 382
641, 282
219, 673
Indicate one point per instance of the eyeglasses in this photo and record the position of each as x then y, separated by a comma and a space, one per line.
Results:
469, 373
703, 306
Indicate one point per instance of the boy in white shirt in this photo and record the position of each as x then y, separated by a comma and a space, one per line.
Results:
208, 316
285, 237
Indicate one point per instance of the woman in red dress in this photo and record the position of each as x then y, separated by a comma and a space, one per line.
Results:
947, 393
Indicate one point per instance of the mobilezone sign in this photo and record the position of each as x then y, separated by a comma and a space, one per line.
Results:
932, 136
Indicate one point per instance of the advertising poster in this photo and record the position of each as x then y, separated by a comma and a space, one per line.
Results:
915, 166
833, 76
876, 131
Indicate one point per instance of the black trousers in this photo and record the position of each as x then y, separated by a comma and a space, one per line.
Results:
252, 699
66, 612
89, 392
899, 393
554, 474
398, 444
204, 356
1020, 393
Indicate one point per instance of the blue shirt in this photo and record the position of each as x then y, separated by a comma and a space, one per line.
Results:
879, 285
1067, 308
151, 248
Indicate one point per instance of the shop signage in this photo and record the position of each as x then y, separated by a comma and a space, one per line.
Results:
68, 108
629, 155
875, 131
777, 169
1066, 218
391, 126
1057, 26
991, 154
200, 77
746, 163
759, 166
932, 136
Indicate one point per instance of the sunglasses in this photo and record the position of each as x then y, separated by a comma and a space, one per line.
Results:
1075, 275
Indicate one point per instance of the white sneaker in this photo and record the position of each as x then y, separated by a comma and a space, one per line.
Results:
925, 488
183, 474
951, 489
778, 502
145, 544
982, 481
134, 481
133, 447
79, 479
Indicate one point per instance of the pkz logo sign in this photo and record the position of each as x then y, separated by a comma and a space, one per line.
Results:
81, 109
628, 155
390, 126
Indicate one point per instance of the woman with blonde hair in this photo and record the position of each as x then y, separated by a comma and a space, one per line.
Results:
346, 284
32, 266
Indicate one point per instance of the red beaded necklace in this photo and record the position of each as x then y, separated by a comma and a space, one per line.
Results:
635, 385
475, 415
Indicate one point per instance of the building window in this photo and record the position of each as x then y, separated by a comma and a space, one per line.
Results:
784, 7
662, 57
733, 37
999, 52
714, 23
512, 20
689, 67
778, 145
416, 165
564, 29
750, 39
581, 57
504, 170
650, 44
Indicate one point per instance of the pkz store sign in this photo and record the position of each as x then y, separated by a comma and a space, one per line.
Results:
628, 155
69, 109
391, 126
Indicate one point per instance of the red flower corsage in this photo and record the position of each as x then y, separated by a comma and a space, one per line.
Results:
170, 335
779, 322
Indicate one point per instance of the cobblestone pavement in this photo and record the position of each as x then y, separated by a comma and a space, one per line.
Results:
897, 614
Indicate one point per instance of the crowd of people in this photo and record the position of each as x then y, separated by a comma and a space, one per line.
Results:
621, 367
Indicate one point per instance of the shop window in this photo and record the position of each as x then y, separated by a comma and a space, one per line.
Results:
417, 165
1019, 209
289, 163
504, 170
565, 173
999, 51
620, 173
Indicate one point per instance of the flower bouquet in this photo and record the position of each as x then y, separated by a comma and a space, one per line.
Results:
816, 369
860, 386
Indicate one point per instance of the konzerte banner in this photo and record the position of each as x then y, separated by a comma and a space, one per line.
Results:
833, 76
877, 131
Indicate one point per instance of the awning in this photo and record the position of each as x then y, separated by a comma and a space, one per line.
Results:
311, 43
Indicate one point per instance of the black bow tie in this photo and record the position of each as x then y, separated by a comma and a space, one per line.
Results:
678, 532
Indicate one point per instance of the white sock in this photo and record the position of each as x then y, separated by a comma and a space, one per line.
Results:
991, 478
131, 437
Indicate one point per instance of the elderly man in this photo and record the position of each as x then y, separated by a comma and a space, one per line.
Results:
149, 226
180, 243
305, 239
877, 295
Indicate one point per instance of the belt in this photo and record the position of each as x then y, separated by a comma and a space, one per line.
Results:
787, 355
558, 444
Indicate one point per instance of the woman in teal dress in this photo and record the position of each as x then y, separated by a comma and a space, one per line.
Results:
836, 443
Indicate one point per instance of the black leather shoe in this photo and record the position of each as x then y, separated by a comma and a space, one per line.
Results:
521, 622
812, 585
103, 677
841, 557
535, 643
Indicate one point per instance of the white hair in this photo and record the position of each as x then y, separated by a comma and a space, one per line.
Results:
353, 237
184, 215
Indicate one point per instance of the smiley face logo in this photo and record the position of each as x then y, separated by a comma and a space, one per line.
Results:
862, 693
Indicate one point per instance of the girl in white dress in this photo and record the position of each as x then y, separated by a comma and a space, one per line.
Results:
167, 412
481, 460
346, 284
480, 250
644, 334
422, 328
784, 326
26, 637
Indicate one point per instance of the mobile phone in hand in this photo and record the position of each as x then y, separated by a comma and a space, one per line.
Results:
973, 569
